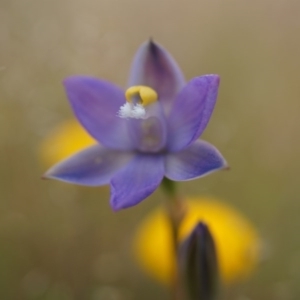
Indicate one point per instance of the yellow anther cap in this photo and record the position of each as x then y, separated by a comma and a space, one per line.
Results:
146, 94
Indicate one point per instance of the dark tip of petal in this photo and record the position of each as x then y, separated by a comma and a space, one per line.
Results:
218, 79
157, 59
225, 166
66, 80
48, 175
117, 206
215, 78
69, 80
45, 177
153, 49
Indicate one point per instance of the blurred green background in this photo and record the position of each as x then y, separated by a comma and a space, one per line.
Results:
63, 242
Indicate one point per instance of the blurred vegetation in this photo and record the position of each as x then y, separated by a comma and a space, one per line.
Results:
63, 242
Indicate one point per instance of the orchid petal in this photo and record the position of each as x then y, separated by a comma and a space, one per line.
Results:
191, 111
199, 159
96, 104
135, 182
149, 134
93, 166
153, 66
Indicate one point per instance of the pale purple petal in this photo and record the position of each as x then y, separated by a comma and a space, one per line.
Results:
153, 66
191, 111
135, 182
93, 166
96, 104
199, 159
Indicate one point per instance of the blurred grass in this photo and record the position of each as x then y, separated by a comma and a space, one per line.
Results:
63, 242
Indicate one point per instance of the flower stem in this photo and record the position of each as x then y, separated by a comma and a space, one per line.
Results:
175, 210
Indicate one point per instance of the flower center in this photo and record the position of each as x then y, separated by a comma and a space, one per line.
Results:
137, 97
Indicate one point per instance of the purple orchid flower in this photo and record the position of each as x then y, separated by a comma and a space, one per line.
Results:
148, 132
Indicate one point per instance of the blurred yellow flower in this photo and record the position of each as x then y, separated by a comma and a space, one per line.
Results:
68, 138
237, 242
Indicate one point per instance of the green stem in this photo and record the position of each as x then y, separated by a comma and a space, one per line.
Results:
175, 210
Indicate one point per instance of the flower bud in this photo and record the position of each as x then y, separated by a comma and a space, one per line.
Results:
198, 265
